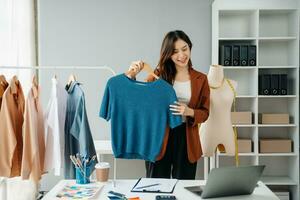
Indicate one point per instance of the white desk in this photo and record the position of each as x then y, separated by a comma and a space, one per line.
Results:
124, 186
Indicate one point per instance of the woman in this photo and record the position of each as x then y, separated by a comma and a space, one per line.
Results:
181, 148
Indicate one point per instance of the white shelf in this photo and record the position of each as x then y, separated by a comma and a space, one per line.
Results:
277, 96
277, 67
278, 39
277, 52
273, 26
240, 154
239, 67
277, 154
237, 24
278, 180
243, 125
237, 38
244, 78
276, 125
277, 23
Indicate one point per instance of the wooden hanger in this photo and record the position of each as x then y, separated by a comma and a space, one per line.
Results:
3, 85
1, 92
146, 68
2, 77
1, 88
13, 84
3, 80
34, 81
72, 78
35, 86
149, 70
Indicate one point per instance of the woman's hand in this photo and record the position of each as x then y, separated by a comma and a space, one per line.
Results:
135, 68
181, 109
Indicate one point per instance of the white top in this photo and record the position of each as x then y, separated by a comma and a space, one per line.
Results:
261, 192
55, 115
183, 92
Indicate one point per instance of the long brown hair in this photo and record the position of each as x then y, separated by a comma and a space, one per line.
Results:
166, 66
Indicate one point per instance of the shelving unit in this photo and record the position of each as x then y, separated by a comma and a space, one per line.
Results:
273, 26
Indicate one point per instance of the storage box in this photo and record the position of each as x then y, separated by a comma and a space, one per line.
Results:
275, 146
282, 195
274, 118
244, 145
241, 117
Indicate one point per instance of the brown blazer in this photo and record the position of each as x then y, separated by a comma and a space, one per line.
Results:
200, 103
11, 121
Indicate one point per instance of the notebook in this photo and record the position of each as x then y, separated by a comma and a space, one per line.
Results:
157, 185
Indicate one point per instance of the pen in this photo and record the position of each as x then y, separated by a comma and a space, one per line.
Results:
145, 186
117, 194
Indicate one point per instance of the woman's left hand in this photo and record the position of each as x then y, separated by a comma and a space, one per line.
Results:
181, 109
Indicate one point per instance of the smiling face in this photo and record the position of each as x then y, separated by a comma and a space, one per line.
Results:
175, 55
181, 54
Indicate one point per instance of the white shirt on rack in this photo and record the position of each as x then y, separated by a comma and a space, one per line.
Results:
55, 128
183, 92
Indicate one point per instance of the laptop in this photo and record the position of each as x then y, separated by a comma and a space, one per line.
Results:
229, 181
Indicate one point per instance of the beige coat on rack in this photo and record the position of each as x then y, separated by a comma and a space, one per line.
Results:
218, 129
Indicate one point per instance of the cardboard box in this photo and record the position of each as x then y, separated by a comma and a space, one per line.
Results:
241, 117
274, 118
275, 146
244, 145
282, 195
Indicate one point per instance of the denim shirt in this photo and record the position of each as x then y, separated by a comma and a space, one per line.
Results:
78, 136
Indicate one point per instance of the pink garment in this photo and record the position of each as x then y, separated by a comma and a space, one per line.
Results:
33, 137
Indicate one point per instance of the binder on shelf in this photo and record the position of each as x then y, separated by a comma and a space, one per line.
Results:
252, 55
225, 55
265, 84
283, 84
157, 185
275, 84
244, 55
236, 55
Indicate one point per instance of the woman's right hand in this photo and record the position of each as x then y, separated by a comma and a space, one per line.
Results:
135, 68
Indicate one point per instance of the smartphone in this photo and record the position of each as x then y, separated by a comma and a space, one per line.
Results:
165, 197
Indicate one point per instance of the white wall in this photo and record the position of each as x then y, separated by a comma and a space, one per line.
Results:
114, 33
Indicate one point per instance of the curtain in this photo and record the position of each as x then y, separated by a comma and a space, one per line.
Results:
17, 39
17, 48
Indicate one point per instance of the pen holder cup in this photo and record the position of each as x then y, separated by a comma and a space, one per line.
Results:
83, 176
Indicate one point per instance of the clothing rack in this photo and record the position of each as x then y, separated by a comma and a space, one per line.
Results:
70, 68
61, 67
90, 68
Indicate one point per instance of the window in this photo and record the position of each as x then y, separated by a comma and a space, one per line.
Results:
17, 39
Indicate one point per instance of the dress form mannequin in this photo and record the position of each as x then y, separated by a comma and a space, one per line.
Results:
217, 130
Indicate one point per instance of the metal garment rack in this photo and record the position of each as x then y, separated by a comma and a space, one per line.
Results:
37, 68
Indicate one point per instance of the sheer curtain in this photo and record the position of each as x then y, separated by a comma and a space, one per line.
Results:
17, 48
17, 39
